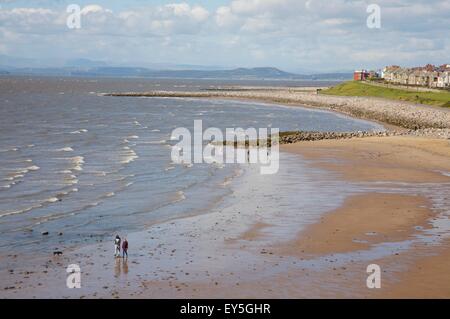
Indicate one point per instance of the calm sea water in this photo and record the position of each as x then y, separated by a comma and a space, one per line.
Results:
82, 166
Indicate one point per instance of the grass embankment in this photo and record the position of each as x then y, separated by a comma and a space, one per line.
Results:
354, 88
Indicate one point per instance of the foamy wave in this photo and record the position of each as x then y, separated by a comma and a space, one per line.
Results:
137, 123
65, 149
53, 199
156, 130
11, 178
11, 184
83, 130
71, 180
21, 171
77, 163
128, 156
100, 173
59, 196
133, 137
14, 149
15, 177
20, 211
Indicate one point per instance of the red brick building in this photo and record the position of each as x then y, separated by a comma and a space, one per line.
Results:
360, 75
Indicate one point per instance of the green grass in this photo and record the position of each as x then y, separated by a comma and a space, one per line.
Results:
355, 88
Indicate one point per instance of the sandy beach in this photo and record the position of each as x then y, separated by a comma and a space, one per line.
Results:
337, 205
239, 252
392, 217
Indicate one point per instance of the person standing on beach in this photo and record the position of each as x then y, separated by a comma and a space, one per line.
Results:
117, 246
125, 248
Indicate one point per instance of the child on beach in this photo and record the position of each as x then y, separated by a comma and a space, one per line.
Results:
117, 246
125, 248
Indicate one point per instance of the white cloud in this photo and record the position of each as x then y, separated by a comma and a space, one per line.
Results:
185, 10
319, 34
259, 24
336, 21
225, 17
28, 20
94, 8
160, 20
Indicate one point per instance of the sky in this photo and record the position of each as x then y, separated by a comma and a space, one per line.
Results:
303, 36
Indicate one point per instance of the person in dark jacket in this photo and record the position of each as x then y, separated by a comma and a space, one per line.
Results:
125, 248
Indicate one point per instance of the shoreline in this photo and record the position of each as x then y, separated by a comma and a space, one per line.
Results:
244, 252
397, 113
241, 251
201, 245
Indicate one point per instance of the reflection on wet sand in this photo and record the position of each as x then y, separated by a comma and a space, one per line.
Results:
121, 267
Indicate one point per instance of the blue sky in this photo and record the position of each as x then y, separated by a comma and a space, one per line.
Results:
294, 35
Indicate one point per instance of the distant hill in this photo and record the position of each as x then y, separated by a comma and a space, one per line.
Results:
85, 63
239, 73
90, 68
259, 73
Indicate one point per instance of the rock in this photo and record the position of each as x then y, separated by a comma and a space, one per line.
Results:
45, 233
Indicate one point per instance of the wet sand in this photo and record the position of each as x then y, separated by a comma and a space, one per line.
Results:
362, 221
407, 159
371, 218
427, 276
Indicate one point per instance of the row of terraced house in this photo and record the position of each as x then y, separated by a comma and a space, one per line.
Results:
428, 76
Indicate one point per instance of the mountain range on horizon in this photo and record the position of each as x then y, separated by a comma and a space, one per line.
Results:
92, 68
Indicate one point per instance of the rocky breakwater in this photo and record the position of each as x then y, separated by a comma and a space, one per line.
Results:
293, 137
299, 136
404, 114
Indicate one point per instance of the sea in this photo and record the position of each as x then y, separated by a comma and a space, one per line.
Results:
77, 167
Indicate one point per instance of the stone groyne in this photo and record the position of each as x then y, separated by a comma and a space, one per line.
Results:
403, 114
